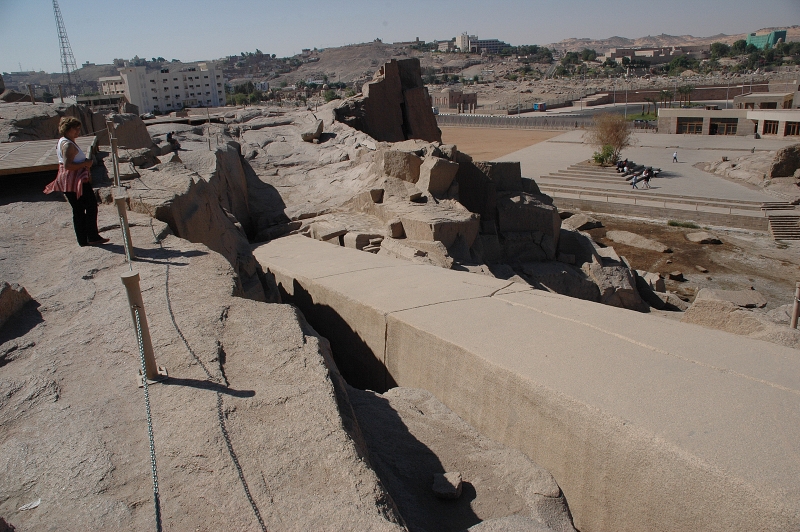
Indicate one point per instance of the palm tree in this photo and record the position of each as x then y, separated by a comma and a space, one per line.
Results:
651, 101
665, 95
689, 89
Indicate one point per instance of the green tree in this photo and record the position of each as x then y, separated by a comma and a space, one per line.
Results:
719, 49
588, 55
751, 49
331, 95
738, 47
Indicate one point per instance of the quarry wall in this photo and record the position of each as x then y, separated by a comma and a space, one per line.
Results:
645, 423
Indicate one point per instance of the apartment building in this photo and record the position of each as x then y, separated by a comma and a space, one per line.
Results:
168, 89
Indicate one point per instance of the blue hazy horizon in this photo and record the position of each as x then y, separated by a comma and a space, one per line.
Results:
100, 31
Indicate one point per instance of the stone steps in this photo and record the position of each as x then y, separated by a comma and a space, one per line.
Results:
784, 227
755, 207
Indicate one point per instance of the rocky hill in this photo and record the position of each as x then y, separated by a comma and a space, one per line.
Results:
603, 45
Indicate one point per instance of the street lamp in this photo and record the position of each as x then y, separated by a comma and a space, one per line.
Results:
626, 100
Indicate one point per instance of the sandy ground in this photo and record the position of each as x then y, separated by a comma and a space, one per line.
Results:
742, 261
486, 144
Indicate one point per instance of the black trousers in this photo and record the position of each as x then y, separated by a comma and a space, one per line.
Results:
84, 215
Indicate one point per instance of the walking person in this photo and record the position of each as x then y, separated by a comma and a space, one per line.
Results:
74, 181
633, 182
675, 157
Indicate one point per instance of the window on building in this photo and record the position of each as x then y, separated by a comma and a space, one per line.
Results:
206, 84
723, 126
770, 127
177, 87
792, 129
155, 98
691, 125
205, 77
768, 105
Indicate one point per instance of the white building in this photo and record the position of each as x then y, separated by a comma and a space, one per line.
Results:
168, 89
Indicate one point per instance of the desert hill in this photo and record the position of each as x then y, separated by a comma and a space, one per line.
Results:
603, 45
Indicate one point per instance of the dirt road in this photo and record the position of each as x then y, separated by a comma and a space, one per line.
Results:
485, 144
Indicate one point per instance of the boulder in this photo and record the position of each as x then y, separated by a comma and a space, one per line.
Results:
312, 131
702, 237
740, 298
560, 279
581, 222
654, 280
447, 485
520, 211
130, 131
436, 175
506, 176
357, 240
648, 294
422, 252
400, 164
786, 162
578, 244
488, 248
325, 230
617, 286
632, 239
394, 228
394, 106
12, 298
676, 276
727, 316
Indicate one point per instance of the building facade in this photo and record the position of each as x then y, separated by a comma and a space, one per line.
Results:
453, 99
656, 56
767, 39
168, 89
768, 122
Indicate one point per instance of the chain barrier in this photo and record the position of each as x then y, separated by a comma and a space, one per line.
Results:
156, 500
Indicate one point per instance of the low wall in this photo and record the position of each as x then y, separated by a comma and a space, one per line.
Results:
721, 219
552, 122
645, 423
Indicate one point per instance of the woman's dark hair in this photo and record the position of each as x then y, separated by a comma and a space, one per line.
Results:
67, 123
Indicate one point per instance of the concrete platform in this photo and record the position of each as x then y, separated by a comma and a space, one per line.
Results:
37, 155
646, 423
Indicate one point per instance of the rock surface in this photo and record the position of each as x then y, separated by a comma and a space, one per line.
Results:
632, 239
581, 222
447, 485
410, 435
740, 298
12, 298
730, 317
702, 237
74, 430
394, 106
312, 131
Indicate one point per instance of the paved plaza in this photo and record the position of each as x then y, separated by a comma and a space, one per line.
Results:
653, 149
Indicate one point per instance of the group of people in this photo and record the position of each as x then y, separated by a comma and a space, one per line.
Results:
643, 178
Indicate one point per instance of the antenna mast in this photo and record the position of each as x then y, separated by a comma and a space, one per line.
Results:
68, 66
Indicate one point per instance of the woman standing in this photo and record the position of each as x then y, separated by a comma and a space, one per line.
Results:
74, 181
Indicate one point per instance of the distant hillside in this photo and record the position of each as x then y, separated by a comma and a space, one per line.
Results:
603, 45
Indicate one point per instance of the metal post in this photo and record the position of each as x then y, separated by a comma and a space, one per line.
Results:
208, 128
30, 91
154, 373
796, 307
120, 200
626, 101
61, 93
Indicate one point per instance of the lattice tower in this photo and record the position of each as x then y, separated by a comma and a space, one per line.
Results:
68, 66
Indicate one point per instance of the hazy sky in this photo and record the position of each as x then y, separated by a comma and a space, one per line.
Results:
101, 30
